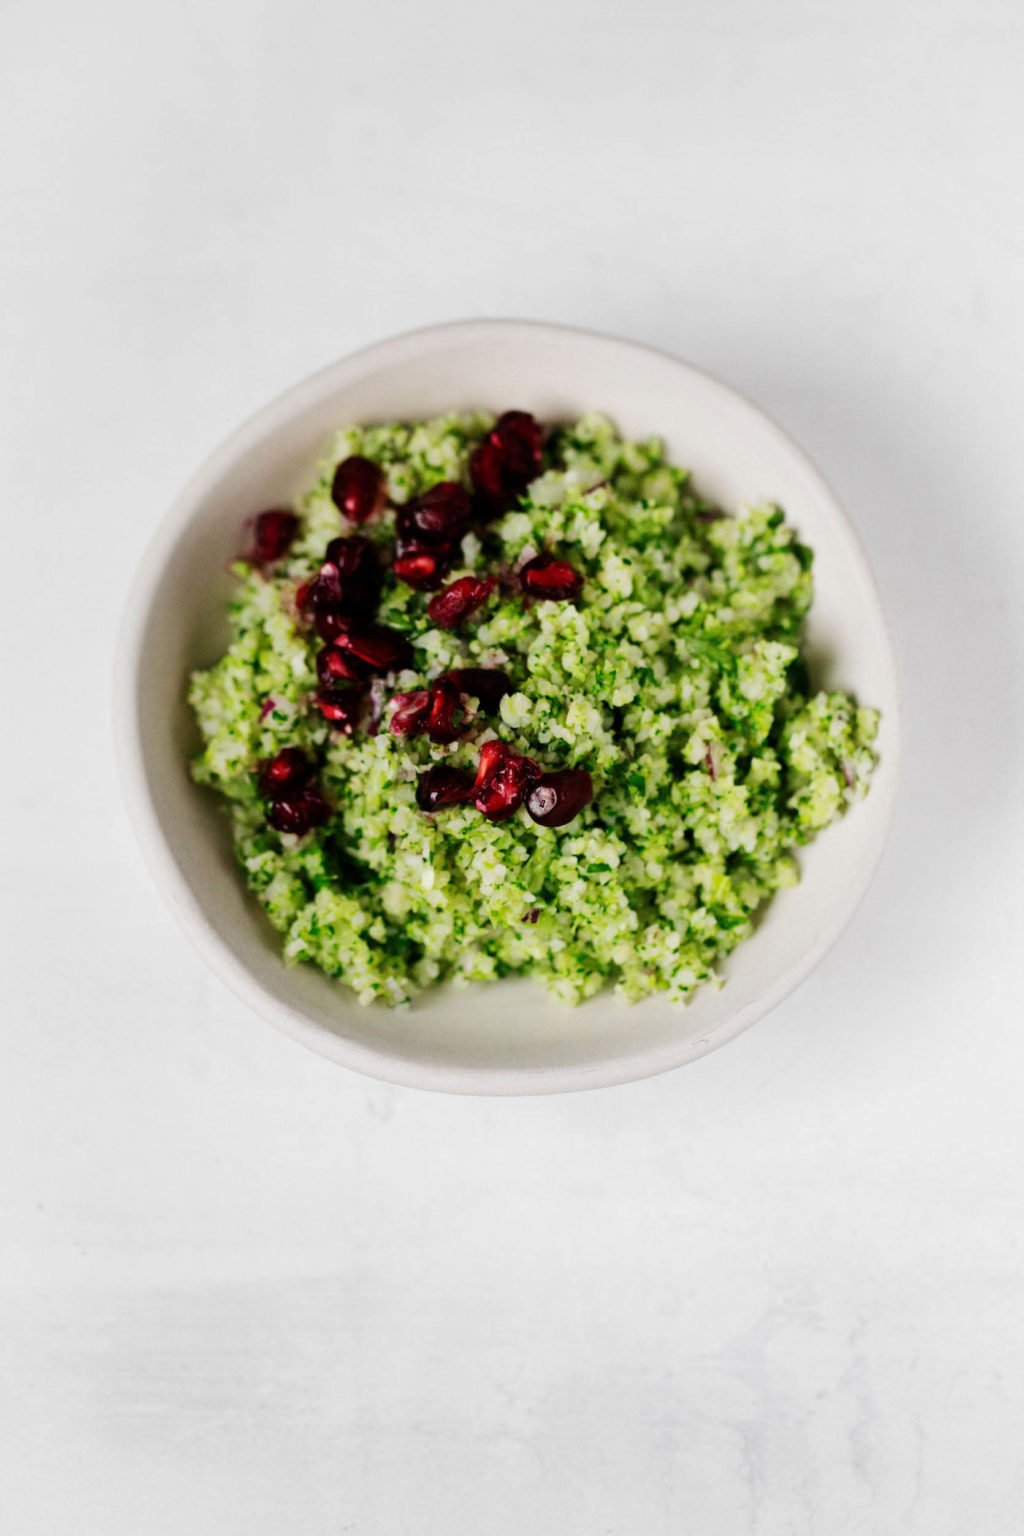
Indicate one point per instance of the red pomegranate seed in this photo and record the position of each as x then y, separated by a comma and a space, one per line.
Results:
272, 535
422, 568
440, 517
348, 581
290, 769
323, 593
518, 437
411, 713
447, 713
355, 559
488, 685
341, 707
358, 489
298, 812
503, 779
353, 554
327, 600
336, 668
505, 462
487, 472
557, 797
439, 710
458, 601
545, 576
330, 625
379, 648
442, 786
492, 755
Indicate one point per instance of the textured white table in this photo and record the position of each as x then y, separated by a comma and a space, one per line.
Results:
778, 1293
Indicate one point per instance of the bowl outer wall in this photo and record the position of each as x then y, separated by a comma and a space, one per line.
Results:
505, 1038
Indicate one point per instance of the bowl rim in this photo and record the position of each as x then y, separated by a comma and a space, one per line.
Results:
381, 1061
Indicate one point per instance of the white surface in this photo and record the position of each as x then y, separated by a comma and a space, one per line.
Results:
778, 1292
513, 1040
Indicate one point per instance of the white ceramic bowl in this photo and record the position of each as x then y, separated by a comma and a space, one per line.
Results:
506, 1037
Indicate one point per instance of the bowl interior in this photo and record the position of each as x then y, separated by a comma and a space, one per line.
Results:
505, 1037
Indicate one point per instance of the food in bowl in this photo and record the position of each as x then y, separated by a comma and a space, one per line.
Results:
505, 701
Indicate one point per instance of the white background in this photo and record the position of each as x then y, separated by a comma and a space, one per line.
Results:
781, 1291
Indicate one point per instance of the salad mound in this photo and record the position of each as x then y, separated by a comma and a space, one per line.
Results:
498, 703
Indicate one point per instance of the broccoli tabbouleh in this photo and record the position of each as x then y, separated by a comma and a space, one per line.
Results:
501, 704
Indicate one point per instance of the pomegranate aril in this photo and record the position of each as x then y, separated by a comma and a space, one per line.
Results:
411, 713
502, 795
298, 812
442, 786
353, 554
447, 720
503, 779
323, 592
492, 755
296, 804
422, 568
506, 461
439, 710
348, 581
359, 573
323, 599
288, 770
331, 625
518, 437
546, 576
488, 685
379, 648
336, 668
558, 797
487, 473
358, 488
272, 535
341, 707
457, 602
440, 517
